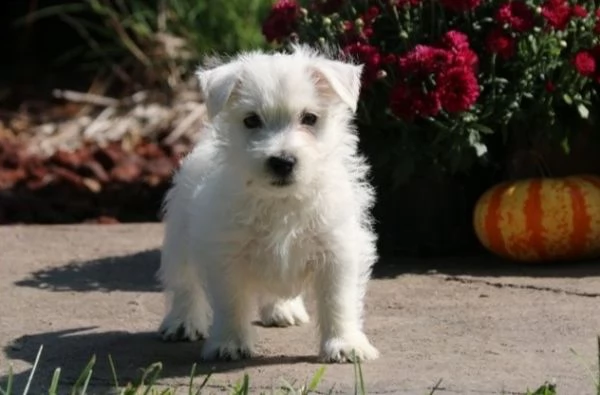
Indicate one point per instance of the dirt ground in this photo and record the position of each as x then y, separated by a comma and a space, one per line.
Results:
481, 325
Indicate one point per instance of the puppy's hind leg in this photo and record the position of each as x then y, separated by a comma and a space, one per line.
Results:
283, 312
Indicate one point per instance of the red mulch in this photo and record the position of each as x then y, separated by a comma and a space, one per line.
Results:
92, 184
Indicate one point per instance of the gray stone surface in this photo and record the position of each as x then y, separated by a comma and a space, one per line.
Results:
481, 325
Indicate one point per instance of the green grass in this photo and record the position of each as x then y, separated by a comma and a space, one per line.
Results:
148, 384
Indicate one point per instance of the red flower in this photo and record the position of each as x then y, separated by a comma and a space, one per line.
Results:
458, 44
585, 63
369, 16
424, 60
499, 43
579, 11
550, 87
467, 58
460, 5
454, 39
436, 78
327, 7
409, 101
557, 13
597, 27
281, 21
389, 58
367, 32
458, 89
369, 56
517, 15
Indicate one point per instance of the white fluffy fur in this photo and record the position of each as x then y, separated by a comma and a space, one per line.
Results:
233, 240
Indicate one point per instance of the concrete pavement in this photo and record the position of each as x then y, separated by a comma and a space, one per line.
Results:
481, 325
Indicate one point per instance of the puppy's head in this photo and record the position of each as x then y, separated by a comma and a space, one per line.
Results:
281, 116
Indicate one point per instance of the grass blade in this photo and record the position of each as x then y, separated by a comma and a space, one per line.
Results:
33, 368
314, 383
436, 387
87, 381
545, 389
204, 382
83, 377
155, 369
245, 388
9, 382
54, 384
192, 376
113, 371
587, 367
361, 378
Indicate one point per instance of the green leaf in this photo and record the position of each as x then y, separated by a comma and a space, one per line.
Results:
567, 99
546, 389
482, 128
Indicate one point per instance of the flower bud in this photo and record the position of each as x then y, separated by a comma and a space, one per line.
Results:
403, 35
304, 12
563, 43
381, 74
322, 41
327, 21
359, 22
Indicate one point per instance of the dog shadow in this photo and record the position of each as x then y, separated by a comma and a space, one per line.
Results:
133, 272
484, 265
72, 349
137, 272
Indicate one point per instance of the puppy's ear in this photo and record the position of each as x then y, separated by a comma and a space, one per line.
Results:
217, 84
341, 79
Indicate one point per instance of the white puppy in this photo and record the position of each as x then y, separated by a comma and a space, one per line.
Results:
273, 199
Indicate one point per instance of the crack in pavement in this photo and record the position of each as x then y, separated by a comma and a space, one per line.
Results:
464, 280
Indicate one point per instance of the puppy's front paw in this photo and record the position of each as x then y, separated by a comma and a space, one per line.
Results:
174, 329
345, 349
284, 313
231, 350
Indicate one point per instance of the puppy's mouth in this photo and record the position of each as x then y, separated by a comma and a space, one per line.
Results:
282, 182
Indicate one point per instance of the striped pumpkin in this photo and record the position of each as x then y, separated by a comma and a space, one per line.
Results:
540, 220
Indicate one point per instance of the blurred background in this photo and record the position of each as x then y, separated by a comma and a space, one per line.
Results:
98, 100
98, 103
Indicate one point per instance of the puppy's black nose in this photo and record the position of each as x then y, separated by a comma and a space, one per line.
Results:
281, 166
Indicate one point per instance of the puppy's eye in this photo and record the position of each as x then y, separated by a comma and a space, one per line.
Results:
252, 121
309, 119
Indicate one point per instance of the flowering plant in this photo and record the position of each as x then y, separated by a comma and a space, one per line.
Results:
448, 82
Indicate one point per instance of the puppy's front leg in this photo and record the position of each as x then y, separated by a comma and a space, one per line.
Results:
340, 285
231, 334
